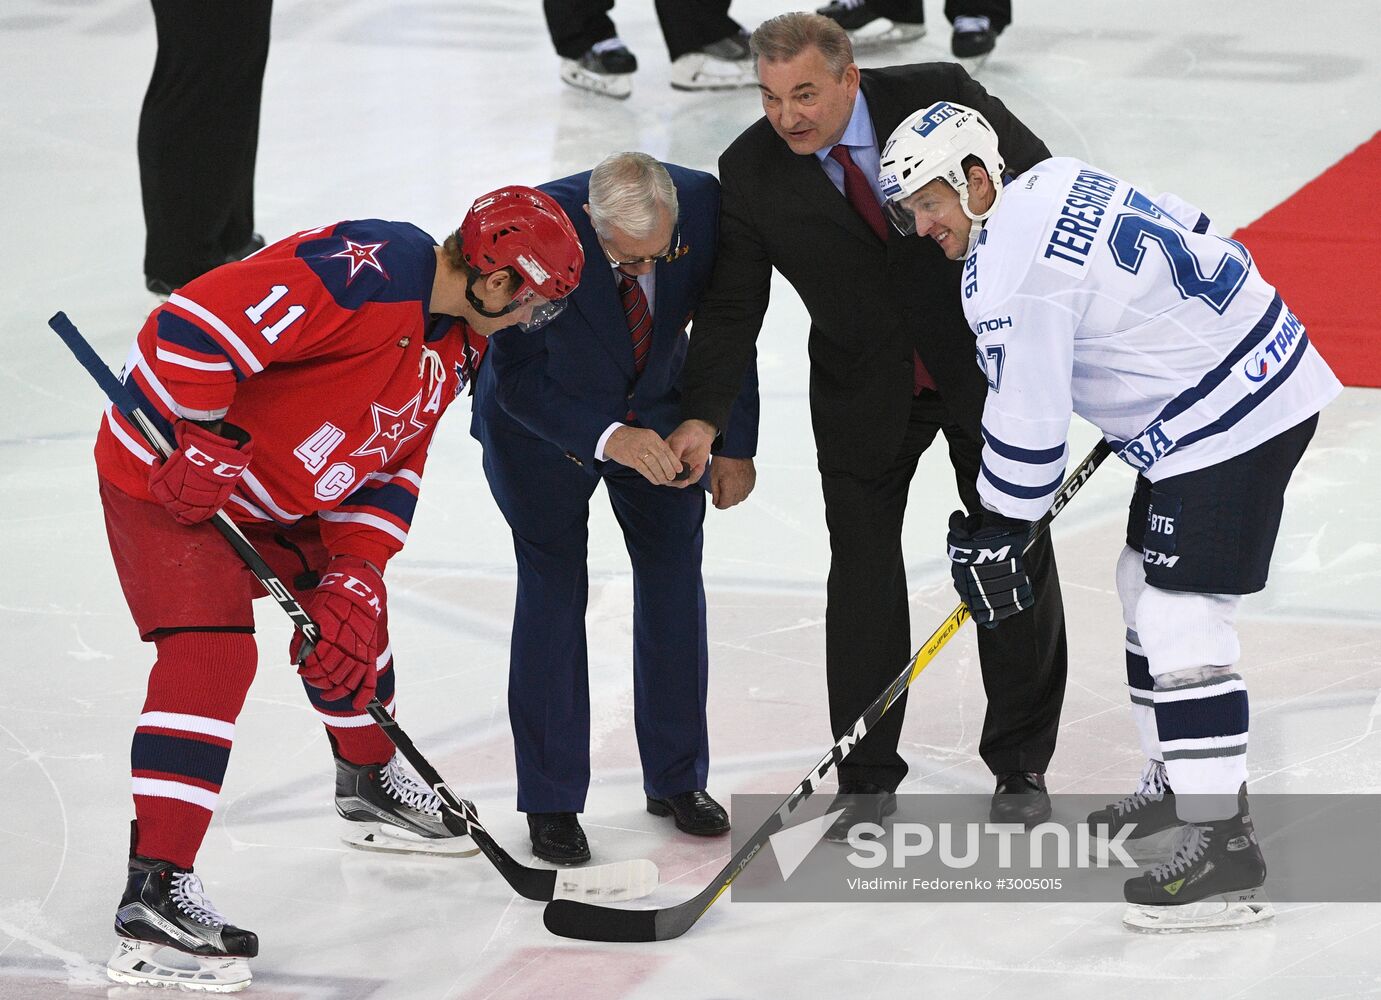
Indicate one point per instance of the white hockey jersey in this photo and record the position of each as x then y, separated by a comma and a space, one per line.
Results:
1089, 297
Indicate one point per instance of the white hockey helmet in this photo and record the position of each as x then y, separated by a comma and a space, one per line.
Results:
932, 144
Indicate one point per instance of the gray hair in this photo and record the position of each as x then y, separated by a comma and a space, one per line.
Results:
628, 191
786, 36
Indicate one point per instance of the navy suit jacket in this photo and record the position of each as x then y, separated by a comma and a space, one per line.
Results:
554, 391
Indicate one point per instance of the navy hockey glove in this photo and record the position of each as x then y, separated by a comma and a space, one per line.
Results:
347, 606
985, 553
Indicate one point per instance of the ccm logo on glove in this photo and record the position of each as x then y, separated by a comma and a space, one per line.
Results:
217, 467
975, 557
347, 606
985, 553
356, 586
196, 480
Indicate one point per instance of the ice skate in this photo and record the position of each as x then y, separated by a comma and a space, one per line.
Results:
725, 65
388, 809
867, 28
606, 69
1213, 881
1151, 808
174, 937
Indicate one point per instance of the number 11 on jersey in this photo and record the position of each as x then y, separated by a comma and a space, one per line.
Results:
257, 312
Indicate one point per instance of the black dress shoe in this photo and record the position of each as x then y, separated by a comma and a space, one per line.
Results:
862, 802
159, 287
254, 245
558, 838
694, 812
1020, 797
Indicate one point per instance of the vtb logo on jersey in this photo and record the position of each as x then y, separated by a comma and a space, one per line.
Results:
392, 430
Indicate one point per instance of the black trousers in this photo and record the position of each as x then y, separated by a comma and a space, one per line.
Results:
997, 11
687, 25
199, 133
867, 621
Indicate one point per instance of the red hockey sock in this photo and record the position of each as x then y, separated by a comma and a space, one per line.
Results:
182, 744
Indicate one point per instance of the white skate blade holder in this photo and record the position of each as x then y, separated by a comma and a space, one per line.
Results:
700, 71
144, 963
611, 883
615, 85
385, 838
1229, 911
883, 32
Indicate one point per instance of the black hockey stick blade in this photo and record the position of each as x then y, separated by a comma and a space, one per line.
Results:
583, 922
619, 880
587, 922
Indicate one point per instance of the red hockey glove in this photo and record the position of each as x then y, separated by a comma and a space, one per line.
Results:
346, 605
196, 480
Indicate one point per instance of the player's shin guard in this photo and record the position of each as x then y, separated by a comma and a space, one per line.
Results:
1201, 708
1202, 720
182, 744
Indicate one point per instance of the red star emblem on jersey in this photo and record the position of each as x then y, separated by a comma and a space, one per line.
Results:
392, 430
361, 255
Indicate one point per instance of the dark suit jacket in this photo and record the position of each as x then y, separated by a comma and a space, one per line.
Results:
557, 389
870, 303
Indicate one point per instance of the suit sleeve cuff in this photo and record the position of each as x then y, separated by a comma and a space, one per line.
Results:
603, 440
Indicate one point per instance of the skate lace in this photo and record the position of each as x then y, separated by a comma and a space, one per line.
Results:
1152, 788
408, 790
190, 897
1189, 849
851, 4
971, 25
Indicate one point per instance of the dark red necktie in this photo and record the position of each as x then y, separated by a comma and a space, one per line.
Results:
639, 318
860, 196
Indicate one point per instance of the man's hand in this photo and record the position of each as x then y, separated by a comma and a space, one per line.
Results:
645, 452
985, 554
196, 480
731, 480
690, 443
346, 606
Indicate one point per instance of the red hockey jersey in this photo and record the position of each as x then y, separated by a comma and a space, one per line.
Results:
322, 347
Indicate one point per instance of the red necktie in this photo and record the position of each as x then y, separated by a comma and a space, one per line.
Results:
639, 318
860, 195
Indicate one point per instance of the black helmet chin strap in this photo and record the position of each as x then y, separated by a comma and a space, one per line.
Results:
478, 305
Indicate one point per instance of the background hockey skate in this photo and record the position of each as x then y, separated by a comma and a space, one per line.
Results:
379, 109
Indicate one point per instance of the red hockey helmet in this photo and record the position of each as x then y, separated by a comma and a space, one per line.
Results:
522, 228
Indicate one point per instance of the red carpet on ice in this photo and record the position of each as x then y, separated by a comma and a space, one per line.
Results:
1322, 248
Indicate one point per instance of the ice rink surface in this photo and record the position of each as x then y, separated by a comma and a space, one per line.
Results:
408, 111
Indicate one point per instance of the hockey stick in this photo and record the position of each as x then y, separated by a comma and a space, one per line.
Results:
586, 922
612, 882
